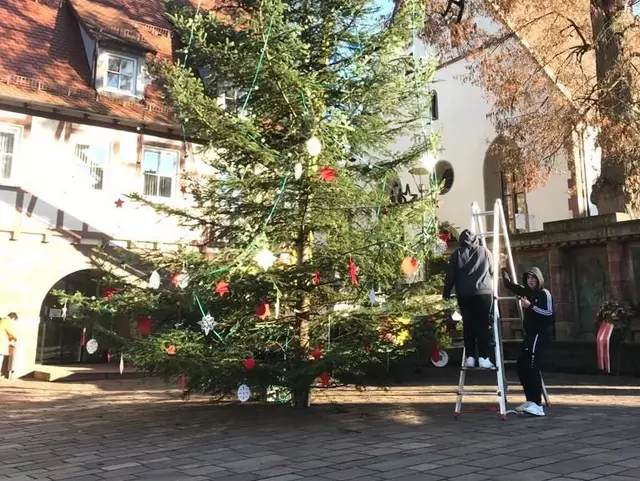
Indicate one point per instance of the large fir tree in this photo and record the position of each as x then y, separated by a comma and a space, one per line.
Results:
263, 87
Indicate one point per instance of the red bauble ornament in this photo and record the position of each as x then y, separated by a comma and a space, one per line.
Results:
249, 363
222, 288
317, 353
144, 325
353, 272
316, 278
263, 311
409, 266
171, 350
108, 293
175, 279
327, 174
325, 378
444, 237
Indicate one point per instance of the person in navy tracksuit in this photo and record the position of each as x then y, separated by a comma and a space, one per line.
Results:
537, 305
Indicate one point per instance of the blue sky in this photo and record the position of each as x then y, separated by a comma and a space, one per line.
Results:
386, 4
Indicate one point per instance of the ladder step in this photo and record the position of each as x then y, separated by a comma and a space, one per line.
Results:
479, 393
478, 369
510, 319
508, 298
490, 234
488, 212
510, 362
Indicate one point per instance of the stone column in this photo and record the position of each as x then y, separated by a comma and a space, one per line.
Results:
619, 272
560, 287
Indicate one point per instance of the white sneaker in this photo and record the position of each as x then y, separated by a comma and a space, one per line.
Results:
534, 410
470, 362
485, 363
522, 407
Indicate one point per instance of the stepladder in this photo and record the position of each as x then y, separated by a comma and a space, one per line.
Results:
501, 251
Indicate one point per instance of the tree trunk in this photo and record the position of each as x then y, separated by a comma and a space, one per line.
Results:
615, 189
301, 395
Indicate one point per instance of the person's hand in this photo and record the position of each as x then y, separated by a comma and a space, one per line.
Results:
524, 302
505, 275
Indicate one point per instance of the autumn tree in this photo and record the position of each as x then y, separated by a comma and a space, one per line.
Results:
553, 68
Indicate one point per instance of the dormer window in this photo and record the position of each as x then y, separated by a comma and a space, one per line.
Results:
121, 74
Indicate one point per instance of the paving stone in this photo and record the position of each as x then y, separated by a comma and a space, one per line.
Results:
253, 464
571, 466
352, 473
284, 477
452, 471
74, 432
584, 475
471, 477
495, 461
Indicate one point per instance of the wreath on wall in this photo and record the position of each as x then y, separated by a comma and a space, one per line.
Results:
618, 313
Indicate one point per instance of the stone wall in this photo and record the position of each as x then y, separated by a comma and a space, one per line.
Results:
586, 261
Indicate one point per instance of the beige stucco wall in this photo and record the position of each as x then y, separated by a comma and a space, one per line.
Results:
465, 136
35, 251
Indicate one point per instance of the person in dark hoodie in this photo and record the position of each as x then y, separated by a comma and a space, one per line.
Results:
537, 305
470, 274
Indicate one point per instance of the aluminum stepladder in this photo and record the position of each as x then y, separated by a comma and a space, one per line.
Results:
499, 230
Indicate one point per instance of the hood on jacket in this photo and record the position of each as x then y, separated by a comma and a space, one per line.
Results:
537, 273
468, 239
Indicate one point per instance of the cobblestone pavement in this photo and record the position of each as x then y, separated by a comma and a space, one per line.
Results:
142, 430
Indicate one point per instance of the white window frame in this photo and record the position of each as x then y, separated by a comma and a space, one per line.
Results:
92, 140
17, 131
134, 82
174, 184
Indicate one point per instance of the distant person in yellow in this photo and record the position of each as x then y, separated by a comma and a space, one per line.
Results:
8, 337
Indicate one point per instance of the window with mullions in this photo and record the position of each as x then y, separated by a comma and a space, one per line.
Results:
121, 74
160, 168
515, 205
9, 138
91, 161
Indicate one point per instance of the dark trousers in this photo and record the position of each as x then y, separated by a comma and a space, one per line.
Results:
475, 312
528, 365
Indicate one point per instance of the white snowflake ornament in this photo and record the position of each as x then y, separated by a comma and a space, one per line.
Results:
207, 323
244, 393
92, 346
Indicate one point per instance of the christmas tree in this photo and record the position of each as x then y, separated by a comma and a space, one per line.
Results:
311, 264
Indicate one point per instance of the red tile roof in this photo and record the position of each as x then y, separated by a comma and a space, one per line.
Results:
44, 63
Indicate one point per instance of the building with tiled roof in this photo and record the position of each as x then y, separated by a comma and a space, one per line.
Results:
81, 126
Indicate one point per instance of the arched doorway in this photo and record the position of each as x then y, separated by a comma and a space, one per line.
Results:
60, 339
499, 185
